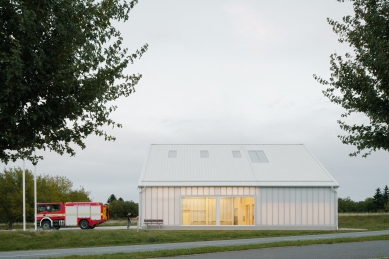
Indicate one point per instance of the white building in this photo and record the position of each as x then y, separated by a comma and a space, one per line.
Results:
237, 187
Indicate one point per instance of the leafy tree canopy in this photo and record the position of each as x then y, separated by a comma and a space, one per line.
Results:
359, 81
49, 189
120, 209
61, 62
111, 198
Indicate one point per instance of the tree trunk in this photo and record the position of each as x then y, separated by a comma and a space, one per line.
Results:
10, 222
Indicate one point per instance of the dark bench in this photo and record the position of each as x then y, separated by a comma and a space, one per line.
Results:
153, 221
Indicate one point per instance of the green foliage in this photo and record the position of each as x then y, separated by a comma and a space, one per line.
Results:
49, 189
386, 198
19, 240
111, 198
120, 209
379, 200
375, 204
360, 81
61, 66
348, 205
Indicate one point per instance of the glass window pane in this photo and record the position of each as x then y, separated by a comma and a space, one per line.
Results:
236, 154
199, 211
172, 154
237, 210
204, 154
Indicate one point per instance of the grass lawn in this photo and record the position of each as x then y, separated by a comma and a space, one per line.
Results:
369, 221
20, 240
214, 249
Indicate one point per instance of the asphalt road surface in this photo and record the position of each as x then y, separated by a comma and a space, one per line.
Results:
153, 247
357, 250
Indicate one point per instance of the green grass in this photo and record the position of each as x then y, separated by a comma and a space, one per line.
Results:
26, 240
215, 249
369, 222
110, 222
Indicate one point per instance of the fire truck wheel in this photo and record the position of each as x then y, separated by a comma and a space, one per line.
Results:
46, 225
84, 224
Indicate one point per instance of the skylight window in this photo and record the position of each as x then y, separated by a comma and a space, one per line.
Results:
204, 154
236, 154
172, 154
258, 156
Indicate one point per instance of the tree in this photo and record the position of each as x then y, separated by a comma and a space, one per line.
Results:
120, 209
61, 66
111, 198
378, 200
49, 189
360, 81
385, 198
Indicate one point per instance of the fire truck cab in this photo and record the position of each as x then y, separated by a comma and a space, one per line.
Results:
86, 215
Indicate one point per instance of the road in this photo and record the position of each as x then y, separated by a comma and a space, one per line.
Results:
356, 250
153, 247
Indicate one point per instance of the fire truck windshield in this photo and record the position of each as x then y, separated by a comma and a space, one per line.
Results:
48, 207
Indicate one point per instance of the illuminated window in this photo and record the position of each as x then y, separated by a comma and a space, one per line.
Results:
237, 211
199, 211
233, 210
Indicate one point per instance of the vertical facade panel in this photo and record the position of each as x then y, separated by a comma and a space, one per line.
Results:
240, 191
304, 206
269, 206
229, 191
160, 203
281, 206
286, 207
188, 190
292, 206
200, 190
217, 190
257, 203
183, 190
332, 219
149, 201
327, 209
171, 206
223, 190
235, 190
165, 204
309, 206
275, 199
154, 201
144, 202
263, 206
211, 190
300, 208
321, 206
206, 191
194, 191
253, 190
177, 206
246, 190
315, 206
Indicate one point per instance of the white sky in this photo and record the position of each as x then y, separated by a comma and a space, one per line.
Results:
222, 71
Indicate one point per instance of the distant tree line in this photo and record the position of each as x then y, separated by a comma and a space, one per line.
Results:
118, 208
379, 203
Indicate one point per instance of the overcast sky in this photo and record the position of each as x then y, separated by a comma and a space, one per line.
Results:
224, 72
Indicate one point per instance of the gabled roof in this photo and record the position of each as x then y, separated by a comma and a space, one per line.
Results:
286, 165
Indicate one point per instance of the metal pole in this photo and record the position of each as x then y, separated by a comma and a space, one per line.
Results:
35, 195
24, 197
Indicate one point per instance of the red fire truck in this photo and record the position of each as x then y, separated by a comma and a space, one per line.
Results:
83, 214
